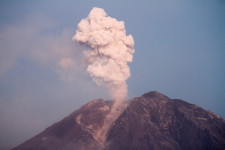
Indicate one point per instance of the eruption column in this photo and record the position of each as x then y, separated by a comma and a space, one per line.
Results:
110, 49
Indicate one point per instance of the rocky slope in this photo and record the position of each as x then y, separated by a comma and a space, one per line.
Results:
152, 121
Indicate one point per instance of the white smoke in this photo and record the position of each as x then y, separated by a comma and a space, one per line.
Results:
109, 51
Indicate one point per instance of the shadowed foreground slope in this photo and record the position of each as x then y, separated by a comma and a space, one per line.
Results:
152, 121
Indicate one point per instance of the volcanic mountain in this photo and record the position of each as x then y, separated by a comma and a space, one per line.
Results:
150, 122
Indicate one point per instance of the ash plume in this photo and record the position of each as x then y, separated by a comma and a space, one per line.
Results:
109, 52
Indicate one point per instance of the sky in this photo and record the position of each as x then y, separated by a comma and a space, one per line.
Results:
179, 52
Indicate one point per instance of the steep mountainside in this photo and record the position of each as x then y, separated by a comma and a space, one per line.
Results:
152, 121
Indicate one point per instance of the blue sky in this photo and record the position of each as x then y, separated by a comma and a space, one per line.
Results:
179, 51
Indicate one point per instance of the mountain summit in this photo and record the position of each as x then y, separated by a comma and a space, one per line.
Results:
152, 121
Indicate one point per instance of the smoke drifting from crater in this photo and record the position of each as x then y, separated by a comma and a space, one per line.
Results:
110, 49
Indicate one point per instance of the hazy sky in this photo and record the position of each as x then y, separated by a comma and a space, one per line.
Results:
179, 51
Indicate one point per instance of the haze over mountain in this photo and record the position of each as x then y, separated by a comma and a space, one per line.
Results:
152, 121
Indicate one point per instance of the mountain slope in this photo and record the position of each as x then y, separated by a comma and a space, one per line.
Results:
152, 121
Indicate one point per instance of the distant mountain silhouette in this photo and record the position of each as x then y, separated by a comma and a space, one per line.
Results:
150, 122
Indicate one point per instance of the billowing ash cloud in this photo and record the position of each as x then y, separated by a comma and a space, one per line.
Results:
110, 49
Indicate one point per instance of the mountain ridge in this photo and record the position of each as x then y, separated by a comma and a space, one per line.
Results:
151, 121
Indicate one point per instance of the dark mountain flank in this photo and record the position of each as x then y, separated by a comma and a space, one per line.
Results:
150, 122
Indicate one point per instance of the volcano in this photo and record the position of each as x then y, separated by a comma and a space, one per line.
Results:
150, 122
